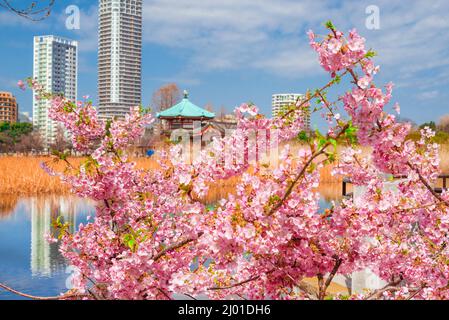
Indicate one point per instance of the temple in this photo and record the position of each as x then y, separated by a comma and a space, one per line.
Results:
182, 121
183, 115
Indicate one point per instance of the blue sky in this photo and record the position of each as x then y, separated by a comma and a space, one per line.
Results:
233, 51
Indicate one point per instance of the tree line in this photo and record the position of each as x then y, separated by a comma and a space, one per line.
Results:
23, 138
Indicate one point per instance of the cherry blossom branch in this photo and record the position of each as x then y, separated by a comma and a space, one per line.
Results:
164, 293
175, 246
414, 294
320, 90
241, 283
308, 289
25, 295
426, 184
325, 285
302, 172
326, 103
354, 77
392, 286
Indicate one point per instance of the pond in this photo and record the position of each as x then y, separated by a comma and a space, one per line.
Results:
30, 264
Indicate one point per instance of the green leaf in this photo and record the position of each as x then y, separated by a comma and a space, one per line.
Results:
108, 127
130, 241
331, 157
303, 136
370, 54
351, 133
329, 25
337, 79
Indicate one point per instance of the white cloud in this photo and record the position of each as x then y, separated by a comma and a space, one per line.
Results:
428, 95
270, 35
231, 34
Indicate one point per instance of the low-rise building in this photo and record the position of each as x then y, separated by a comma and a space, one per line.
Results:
9, 109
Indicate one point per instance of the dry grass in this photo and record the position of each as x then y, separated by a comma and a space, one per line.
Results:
147, 163
444, 158
24, 176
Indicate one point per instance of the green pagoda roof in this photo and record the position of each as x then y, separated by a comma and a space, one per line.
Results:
187, 109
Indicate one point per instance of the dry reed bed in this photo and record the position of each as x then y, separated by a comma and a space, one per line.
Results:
24, 176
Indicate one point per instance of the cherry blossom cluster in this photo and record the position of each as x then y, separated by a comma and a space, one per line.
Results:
153, 235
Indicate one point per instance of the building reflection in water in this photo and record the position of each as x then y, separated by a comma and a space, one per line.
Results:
45, 257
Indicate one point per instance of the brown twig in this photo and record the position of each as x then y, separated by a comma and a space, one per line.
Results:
175, 246
31, 11
164, 293
388, 287
426, 184
25, 295
235, 284
302, 172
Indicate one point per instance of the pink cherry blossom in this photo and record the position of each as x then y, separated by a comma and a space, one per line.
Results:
21, 85
153, 235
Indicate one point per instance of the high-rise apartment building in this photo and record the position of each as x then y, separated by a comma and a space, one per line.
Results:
119, 57
56, 69
9, 109
281, 101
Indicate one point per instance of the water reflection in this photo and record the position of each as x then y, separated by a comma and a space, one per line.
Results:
27, 261
7, 205
330, 192
45, 257
31, 264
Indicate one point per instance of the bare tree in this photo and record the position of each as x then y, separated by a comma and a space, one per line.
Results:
61, 142
32, 10
443, 123
30, 142
166, 96
222, 112
209, 107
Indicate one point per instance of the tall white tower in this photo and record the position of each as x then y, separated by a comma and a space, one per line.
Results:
56, 69
119, 57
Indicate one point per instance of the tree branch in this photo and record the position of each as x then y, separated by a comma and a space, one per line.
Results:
175, 246
325, 285
302, 172
426, 184
22, 294
389, 287
32, 11
236, 284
